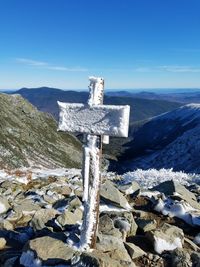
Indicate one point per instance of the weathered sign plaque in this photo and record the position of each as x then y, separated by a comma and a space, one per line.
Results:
95, 120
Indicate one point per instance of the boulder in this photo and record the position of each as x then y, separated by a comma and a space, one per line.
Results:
46, 251
42, 217
173, 188
166, 238
2, 243
4, 205
180, 258
133, 250
114, 247
106, 226
146, 225
68, 217
130, 189
97, 258
26, 206
111, 195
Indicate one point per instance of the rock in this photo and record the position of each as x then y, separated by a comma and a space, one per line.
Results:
6, 225
172, 188
26, 206
123, 225
63, 190
113, 247
68, 217
111, 195
99, 259
130, 189
47, 251
133, 250
191, 244
146, 225
2, 243
166, 238
42, 217
4, 205
180, 258
106, 226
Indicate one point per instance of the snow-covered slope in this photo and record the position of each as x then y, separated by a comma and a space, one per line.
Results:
170, 140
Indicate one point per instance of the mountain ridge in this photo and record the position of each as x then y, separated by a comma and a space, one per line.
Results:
29, 137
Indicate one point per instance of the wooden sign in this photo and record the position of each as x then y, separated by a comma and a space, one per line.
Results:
94, 120
98, 119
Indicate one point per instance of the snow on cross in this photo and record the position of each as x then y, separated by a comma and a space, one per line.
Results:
94, 120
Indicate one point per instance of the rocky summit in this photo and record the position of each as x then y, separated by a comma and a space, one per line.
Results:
40, 222
30, 138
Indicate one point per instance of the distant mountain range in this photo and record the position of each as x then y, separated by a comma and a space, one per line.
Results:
45, 99
30, 138
170, 140
183, 96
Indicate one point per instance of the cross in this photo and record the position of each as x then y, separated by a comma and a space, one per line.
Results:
96, 121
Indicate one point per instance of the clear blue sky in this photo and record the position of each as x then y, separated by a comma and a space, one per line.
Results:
131, 43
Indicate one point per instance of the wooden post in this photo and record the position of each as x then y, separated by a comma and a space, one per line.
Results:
91, 174
94, 120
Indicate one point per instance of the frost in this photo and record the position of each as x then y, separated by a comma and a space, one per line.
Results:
179, 209
152, 177
96, 119
161, 245
2, 208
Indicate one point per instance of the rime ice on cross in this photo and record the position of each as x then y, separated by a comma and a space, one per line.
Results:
95, 120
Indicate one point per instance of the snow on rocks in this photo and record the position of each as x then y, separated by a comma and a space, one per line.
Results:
49, 206
166, 238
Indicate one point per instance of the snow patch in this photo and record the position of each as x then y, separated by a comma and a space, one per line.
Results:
160, 245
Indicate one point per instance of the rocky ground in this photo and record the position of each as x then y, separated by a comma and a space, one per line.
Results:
40, 223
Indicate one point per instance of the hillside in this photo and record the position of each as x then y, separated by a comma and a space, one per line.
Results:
170, 140
30, 138
45, 100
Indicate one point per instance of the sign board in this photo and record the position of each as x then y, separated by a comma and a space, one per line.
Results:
97, 119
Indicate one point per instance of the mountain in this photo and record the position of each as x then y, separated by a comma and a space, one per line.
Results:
170, 140
30, 138
45, 98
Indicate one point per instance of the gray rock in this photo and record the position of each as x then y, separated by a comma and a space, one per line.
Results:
172, 188
6, 225
26, 206
63, 190
133, 250
4, 205
191, 244
111, 195
180, 258
97, 258
113, 247
130, 189
106, 226
50, 251
166, 238
68, 217
146, 225
42, 217
2, 243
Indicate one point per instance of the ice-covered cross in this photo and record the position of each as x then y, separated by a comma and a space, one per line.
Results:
94, 120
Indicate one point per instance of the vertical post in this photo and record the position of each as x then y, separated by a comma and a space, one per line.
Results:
91, 174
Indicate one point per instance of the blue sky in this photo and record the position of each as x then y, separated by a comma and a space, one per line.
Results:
131, 43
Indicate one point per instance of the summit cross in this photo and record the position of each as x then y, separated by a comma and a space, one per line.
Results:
96, 121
